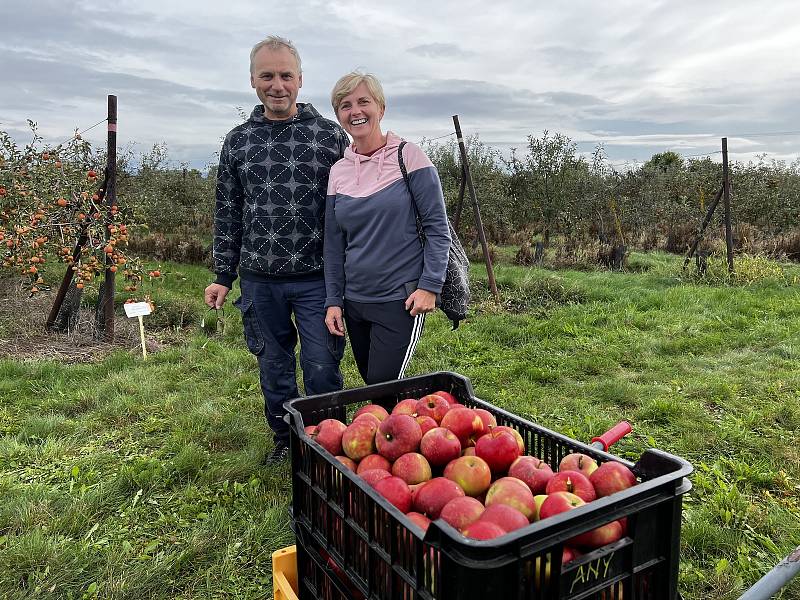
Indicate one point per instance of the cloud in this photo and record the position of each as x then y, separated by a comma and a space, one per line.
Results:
440, 50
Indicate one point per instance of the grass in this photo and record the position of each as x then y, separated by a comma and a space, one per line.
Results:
125, 479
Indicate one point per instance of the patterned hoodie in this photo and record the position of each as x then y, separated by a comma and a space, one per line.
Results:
271, 185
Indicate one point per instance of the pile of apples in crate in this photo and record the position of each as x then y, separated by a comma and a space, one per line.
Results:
435, 458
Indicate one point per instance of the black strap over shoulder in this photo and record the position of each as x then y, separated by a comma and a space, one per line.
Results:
404, 171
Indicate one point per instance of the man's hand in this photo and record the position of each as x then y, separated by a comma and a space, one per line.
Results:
215, 295
334, 320
421, 301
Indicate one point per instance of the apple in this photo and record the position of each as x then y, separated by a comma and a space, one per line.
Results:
369, 416
514, 493
578, 462
499, 449
600, 536
538, 499
432, 495
412, 468
328, 434
559, 502
483, 530
347, 462
433, 406
533, 471
358, 439
463, 422
374, 409
373, 476
610, 478
573, 482
517, 436
440, 446
471, 473
507, 517
397, 435
396, 491
447, 396
373, 461
488, 418
461, 512
419, 520
406, 407
309, 429
426, 423
568, 555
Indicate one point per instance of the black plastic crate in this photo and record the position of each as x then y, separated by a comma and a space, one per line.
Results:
383, 556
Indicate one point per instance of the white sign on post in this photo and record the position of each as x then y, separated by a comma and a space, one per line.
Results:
139, 309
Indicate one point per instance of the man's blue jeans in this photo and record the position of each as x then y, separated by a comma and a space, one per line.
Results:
271, 335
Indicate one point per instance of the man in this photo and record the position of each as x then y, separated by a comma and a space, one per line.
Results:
269, 223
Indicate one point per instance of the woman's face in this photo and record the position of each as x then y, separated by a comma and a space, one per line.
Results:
360, 114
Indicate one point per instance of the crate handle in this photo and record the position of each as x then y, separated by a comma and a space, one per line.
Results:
612, 436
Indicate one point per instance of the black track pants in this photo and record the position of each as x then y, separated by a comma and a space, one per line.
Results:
383, 338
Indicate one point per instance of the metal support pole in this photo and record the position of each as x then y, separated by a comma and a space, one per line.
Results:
478, 222
111, 201
771, 583
726, 194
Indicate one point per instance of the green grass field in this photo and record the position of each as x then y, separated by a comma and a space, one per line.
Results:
131, 479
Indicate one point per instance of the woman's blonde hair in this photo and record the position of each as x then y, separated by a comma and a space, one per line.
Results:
351, 81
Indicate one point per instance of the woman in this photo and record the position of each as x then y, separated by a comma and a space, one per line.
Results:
380, 280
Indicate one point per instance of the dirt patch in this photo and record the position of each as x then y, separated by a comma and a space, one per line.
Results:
23, 335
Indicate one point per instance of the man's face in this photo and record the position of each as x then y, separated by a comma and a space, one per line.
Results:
276, 80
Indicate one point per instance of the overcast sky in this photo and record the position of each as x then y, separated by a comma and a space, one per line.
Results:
640, 77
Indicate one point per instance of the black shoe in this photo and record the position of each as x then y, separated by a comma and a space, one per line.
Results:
279, 453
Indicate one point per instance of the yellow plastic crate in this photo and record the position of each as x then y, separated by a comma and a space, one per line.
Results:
284, 573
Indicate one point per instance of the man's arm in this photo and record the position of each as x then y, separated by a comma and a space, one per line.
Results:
227, 229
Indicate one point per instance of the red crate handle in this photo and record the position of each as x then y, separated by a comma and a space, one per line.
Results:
612, 436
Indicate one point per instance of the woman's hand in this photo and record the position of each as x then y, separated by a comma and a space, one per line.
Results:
420, 302
334, 320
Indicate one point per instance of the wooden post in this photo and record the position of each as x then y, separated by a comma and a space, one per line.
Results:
726, 195
478, 222
111, 201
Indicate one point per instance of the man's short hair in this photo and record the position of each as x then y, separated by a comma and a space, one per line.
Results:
351, 81
275, 42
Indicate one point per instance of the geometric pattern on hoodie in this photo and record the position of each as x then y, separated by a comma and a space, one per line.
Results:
270, 196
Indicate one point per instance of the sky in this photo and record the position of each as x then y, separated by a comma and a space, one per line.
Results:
638, 77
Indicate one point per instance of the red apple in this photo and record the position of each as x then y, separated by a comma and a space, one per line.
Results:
536, 473
309, 429
406, 407
397, 435
514, 493
517, 436
373, 461
471, 473
559, 502
328, 434
396, 491
483, 530
488, 418
380, 412
432, 495
358, 440
412, 468
573, 482
373, 476
505, 516
578, 462
447, 396
369, 416
568, 555
419, 520
499, 449
611, 477
347, 462
426, 423
465, 424
433, 406
461, 511
538, 499
440, 446
601, 536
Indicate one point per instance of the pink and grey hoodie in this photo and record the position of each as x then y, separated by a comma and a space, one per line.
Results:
371, 247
